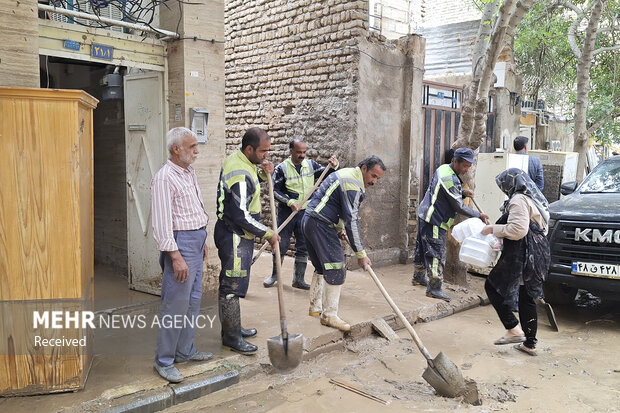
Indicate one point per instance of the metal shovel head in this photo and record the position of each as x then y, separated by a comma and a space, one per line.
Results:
551, 317
286, 355
445, 377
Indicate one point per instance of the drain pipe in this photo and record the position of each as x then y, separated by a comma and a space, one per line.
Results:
107, 21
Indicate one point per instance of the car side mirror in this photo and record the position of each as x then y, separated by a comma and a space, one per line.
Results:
568, 187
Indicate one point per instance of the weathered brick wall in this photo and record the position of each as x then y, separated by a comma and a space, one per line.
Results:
311, 69
290, 69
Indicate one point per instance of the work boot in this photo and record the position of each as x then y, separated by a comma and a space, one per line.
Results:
316, 295
271, 281
434, 290
230, 316
250, 332
329, 317
419, 275
300, 272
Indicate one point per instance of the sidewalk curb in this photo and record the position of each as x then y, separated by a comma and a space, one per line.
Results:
159, 399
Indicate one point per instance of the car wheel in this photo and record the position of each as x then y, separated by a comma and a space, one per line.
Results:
559, 293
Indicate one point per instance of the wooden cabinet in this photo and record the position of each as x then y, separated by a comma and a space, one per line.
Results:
46, 238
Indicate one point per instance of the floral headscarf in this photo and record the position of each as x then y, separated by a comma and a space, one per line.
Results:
515, 181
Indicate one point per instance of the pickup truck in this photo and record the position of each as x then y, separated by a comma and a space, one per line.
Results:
584, 236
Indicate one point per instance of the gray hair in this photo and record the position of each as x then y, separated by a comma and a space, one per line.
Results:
176, 135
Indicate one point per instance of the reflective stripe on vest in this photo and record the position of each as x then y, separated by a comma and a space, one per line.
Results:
234, 170
301, 182
445, 174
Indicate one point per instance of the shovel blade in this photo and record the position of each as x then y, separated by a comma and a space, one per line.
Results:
285, 355
445, 377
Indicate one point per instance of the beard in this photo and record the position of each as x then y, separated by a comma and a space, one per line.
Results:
187, 157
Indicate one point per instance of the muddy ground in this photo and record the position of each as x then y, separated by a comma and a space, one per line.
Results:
577, 369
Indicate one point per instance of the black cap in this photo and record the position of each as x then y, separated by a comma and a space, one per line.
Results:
465, 154
520, 142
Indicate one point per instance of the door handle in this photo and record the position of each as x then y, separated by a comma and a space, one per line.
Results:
130, 191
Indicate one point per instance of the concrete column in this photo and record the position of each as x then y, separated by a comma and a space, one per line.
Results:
413, 145
507, 114
196, 80
19, 48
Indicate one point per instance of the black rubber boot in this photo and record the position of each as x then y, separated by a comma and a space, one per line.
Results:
271, 281
434, 290
230, 316
419, 276
250, 332
300, 272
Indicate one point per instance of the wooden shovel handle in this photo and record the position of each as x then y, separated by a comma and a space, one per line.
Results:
272, 206
400, 315
290, 217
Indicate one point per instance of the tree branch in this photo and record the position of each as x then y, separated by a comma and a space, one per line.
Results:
606, 49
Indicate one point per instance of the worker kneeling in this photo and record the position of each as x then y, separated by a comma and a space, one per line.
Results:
333, 213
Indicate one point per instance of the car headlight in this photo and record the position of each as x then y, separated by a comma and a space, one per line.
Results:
552, 223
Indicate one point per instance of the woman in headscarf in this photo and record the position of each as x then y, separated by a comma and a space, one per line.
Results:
516, 280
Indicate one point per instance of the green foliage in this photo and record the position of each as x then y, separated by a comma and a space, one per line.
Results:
549, 67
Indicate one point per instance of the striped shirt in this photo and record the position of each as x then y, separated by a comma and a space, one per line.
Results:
176, 204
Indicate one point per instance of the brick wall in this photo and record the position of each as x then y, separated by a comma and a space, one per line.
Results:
290, 70
311, 69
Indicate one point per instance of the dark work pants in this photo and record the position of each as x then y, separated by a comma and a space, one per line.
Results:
430, 249
527, 313
179, 299
235, 253
293, 227
325, 250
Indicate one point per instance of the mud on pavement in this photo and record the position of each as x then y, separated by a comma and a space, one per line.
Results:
574, 371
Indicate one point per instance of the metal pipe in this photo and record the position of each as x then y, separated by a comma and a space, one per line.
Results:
108, 21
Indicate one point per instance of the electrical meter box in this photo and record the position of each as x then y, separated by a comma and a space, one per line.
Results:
198, 123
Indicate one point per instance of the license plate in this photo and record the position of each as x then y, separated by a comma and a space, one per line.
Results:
593, 269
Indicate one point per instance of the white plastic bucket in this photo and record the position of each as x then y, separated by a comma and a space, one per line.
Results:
467, 228
477, 251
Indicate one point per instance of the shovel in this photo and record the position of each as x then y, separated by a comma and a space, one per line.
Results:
540, 302
281, 227
442, 374
285, 351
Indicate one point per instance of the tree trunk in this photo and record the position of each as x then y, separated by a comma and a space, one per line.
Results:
580, 133
472, 129
478, 54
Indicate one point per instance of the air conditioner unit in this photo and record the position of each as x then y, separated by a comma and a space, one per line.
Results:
111, 12
543, 120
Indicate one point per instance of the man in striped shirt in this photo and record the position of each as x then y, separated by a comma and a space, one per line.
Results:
179, 228
334, 208
238, 223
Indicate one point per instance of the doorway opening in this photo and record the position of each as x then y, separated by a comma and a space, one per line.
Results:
110, 188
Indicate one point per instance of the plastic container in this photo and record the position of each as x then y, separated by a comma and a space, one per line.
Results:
477, 251
467, 228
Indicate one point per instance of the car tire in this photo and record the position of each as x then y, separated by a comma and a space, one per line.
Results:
559, 293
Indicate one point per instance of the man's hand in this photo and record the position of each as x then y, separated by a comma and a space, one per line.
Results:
484, 218
364, 263
181, 270
333, 161
467, 193
294, 206
275, 239
205, 252
343, 235
267, 166
488, 229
